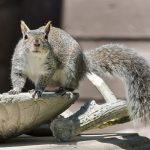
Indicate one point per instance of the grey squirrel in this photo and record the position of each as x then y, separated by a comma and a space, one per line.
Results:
50, 56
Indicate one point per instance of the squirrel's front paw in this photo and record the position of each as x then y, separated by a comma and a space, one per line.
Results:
31, 91
36, 94
14, 91
63, 91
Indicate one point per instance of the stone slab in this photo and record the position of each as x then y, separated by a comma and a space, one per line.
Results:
90, 142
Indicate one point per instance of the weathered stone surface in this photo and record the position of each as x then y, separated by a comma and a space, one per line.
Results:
20, 113
89, 116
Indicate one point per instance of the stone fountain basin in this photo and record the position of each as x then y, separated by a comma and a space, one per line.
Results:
20, 113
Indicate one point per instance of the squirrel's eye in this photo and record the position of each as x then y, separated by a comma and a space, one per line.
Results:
46, 37
25, 37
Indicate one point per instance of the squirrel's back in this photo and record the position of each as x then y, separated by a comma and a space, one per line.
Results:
64, 45
68, 53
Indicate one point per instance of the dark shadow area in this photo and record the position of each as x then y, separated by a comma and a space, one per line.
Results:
40, 131
39, 14
123, 140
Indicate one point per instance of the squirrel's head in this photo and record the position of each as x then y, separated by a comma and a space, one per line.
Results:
36, 41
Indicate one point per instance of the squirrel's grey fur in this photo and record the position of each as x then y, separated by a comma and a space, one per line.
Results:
59, 61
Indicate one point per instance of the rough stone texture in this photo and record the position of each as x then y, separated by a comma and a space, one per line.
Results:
89, 116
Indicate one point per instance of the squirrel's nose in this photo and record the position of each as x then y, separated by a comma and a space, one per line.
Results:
36, 44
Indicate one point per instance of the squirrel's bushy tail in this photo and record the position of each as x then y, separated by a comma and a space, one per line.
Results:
121, 61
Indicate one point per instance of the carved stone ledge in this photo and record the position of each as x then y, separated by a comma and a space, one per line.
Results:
20, 113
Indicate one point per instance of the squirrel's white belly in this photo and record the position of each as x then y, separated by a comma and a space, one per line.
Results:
58, 78
35, 67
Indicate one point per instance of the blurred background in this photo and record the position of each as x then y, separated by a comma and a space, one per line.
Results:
91, 23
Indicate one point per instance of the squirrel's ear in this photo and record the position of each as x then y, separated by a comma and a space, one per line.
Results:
47, 27
24, 27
